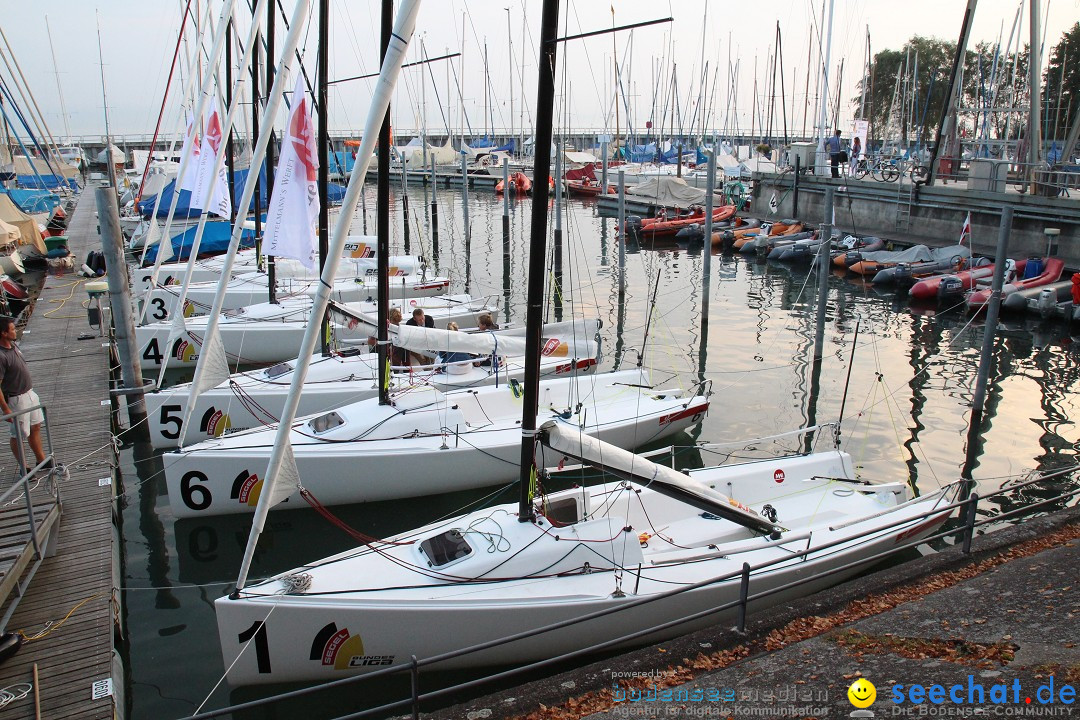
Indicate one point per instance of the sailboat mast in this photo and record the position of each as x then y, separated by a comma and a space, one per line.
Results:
382, 223
545, 97
56, 71
510, 64
487, 89
271, 15
324, 153
105, 105
615, 78
822, 118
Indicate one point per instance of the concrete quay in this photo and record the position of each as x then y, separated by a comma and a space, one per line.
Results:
1003, 619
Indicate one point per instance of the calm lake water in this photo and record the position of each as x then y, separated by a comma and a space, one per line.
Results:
912, 377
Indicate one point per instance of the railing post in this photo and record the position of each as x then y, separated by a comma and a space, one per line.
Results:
30, 514
969, 521
415, 673
744, 592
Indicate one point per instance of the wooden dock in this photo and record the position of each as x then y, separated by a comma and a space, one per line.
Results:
73, 589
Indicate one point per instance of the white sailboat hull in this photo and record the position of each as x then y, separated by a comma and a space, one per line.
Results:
401, 607
252, 289
257, 398
428, 443
267, 333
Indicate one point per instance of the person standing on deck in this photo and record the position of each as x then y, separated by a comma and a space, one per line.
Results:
833, 147
16, 393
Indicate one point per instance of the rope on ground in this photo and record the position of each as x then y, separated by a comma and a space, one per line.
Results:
14, 692
49, 625
63, 301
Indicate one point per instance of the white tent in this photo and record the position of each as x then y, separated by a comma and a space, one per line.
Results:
118, 156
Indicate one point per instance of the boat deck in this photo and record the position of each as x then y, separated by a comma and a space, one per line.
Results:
73, 588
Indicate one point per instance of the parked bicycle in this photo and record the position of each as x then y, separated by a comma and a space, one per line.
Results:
877, 167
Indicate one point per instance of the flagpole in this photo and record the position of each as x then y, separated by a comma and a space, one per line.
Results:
279, 463
215, 192
212, 367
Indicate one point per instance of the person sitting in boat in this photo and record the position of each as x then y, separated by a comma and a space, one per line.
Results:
420, 319
485, 323
399, 357
697, 211
454, 363
661, 215
1010, 270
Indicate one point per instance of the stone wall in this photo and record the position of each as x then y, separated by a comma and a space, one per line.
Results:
936, 213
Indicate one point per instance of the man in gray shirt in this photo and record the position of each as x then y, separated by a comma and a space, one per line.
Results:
16, 393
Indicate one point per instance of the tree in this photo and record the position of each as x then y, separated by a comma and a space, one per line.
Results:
906, 92
909, 86
1063, 72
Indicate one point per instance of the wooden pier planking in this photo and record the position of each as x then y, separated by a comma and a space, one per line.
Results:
71, 377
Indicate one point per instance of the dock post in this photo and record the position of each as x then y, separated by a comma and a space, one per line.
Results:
506, 202
434, 217
465, 192
795, 190
986, 356
823, 275
706, 272
622, 225
603, 172
405, 204
112, 244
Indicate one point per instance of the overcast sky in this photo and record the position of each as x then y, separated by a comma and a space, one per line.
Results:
138, 37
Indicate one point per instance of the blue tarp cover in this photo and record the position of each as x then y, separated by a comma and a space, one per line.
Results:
215, 241
183, 207
33, 201
45, 182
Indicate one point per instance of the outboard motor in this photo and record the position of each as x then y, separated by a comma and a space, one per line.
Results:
949, 287
802, 253
902, 276
727, 240
633, 225
691, 233
852, 257
1046, 303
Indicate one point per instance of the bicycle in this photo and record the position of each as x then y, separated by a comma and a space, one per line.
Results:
878, 168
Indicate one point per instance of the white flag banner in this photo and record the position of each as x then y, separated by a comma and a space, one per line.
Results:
191, 144
289, 230
220, 202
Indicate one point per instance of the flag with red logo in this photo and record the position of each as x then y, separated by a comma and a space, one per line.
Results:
220, 202
294, 205
965, 232
191, 145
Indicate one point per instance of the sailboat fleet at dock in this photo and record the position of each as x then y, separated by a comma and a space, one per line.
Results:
365, 423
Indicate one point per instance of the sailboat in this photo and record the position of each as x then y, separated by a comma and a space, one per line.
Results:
612, 560
255, 398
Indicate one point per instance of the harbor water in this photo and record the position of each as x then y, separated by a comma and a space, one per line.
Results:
912, 374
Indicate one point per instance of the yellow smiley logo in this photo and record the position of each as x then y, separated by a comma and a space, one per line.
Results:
862, 693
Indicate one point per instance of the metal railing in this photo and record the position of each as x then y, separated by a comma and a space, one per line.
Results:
1039, 179
22, 485
963, 533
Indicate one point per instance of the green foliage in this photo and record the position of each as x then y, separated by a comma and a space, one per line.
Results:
1063, 70
896, 75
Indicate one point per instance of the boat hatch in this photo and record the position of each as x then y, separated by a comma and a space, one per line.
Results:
445, 548
276, 371
329, 421
563, 511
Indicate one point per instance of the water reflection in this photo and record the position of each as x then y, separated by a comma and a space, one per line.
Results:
911, 378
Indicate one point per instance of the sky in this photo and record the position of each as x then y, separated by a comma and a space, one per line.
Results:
728, 40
